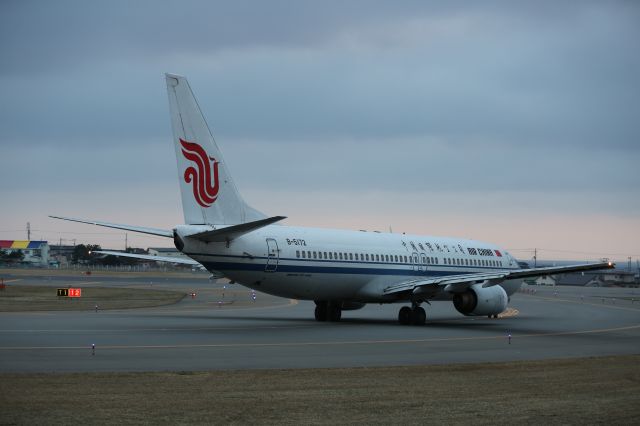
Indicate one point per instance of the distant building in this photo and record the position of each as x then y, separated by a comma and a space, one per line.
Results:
598, 278
548, 280
61, 254
35, 252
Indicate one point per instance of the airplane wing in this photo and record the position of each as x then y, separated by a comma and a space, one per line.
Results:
143, 230
181, 260
460, 282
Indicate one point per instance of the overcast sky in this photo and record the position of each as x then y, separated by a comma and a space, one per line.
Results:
512, 122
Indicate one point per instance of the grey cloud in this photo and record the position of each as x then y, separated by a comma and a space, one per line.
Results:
38, 35
491, 96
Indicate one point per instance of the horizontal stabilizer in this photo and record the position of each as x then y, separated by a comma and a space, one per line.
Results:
141, 229
229, 233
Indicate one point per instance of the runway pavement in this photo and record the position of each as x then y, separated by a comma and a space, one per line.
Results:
202, 333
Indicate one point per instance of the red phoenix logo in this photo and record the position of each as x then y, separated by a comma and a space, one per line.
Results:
205, 186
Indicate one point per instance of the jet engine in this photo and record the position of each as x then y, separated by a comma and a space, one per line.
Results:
481, 301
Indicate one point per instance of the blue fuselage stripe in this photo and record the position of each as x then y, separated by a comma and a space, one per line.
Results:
333, 267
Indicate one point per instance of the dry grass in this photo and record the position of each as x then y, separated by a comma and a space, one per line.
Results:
588, 391
15, 298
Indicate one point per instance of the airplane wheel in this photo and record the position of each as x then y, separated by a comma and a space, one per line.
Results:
418, 316
404, 316
334, 313
321, 311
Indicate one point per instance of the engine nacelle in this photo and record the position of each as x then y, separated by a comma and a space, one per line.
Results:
481, 301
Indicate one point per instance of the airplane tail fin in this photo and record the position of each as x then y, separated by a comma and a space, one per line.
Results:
209, 195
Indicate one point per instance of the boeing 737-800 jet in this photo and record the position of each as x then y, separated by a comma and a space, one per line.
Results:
338, 269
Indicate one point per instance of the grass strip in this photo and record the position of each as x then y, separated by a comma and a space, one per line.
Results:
17, 298
587, 391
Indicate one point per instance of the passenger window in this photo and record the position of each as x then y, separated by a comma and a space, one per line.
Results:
297, 253
303, 256
350, 256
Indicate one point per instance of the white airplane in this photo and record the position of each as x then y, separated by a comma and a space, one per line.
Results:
338, 269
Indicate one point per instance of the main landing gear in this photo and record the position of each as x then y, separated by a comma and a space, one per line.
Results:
328, 311
412, 315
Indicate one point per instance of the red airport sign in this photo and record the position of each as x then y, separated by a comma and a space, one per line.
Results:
70, 292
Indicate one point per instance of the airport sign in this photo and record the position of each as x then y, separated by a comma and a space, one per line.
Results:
70, 292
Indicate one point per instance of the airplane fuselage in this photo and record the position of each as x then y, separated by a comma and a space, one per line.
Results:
326, 264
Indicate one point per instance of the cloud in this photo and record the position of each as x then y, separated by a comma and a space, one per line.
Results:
485, 100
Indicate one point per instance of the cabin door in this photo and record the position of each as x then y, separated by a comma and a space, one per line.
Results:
273, 255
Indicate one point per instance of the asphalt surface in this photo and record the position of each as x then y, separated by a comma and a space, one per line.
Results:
234, 331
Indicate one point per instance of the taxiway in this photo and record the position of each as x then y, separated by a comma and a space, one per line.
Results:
234, 331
